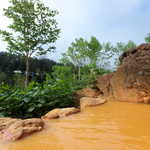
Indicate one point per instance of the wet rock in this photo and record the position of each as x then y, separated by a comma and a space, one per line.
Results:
61, 112
131, 81
89, 102
87, 92
14, 129
6, 122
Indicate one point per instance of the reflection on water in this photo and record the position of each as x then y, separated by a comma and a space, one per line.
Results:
112, 126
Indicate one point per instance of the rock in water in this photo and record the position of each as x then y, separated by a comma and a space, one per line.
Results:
131, 81
61, 112
14, 129
87, 92
89, 102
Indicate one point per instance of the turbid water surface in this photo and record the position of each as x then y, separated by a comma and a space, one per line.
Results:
112, 126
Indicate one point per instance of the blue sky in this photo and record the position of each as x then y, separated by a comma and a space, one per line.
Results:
108, 20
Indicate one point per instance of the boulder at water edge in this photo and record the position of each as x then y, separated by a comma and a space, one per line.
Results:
14, 129
87, 92
61, 112
90, 101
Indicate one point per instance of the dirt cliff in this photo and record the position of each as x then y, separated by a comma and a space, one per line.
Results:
131, 81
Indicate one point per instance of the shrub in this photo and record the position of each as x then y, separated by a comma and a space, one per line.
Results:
39, 98
35, 100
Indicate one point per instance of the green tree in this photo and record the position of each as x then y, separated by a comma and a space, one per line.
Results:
33, 30
83, 53
147, 38
76, 54
61, 72
94, 50
122, 47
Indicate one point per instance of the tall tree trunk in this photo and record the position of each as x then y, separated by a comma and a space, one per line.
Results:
79, 73
27, 72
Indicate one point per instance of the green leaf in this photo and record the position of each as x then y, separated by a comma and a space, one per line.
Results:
26, 99
31, 109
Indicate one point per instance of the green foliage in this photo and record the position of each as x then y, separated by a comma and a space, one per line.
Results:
19, 80
82, 54
87, 58
3, 77
10, 63
94, 50
111, 52
35, 100
61, 72
33, 26
33, 30
122, 47
69, 74
76, 53
147, 38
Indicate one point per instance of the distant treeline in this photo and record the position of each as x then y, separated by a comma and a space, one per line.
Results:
11, 64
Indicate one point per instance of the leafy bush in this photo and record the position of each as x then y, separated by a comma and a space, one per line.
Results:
36, 100
18, 80
3, 77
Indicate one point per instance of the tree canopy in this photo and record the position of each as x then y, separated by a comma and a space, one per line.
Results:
33, 30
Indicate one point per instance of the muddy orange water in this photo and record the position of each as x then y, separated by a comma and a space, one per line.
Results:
112, 126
